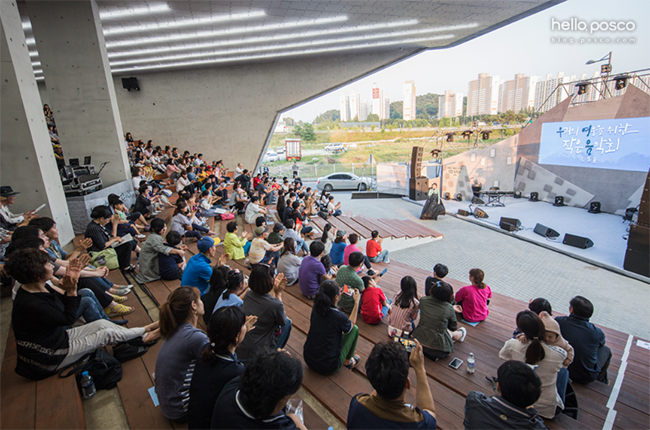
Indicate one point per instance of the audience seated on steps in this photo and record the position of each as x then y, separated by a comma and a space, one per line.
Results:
184, 222
290, 231
262, 252
172, 265
236, 247
218, 364
238, 198
312, 272
592, 356
338, 248
264, 300
347, 275
152, 249
43, 313
92, 279
332, 338
48, 227
548, 360
438, 328
253, 210
289, 263
198, 271
374, 305
11, 220
274, 237
439, 272
102, 239
182, 346
235, 291
474, 299
352, 247
374, 250
127, 223
404, 313
388, 372
257, 399
328, 237
518, 389
218, 285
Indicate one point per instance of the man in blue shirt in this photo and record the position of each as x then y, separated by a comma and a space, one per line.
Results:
592, 356
198, 270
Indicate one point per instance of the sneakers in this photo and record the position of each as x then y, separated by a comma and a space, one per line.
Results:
354, 362
140, 236
464, 331
123, 291
118, 310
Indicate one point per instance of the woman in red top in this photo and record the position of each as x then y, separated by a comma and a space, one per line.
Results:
474, 298
374, 305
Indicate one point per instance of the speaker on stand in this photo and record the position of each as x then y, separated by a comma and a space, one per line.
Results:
577, 241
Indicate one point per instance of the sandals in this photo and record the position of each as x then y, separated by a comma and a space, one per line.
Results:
118, 299
119, 310
354, 362
132, 267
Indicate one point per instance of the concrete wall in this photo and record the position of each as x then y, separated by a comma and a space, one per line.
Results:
229, 112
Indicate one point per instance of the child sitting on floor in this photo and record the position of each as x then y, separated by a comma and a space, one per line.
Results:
374, 305
474, 299
170, 267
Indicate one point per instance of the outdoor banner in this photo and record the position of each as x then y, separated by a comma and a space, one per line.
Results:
616, 144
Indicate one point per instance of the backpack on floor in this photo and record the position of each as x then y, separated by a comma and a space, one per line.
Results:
102, 366
227, 216
323, 214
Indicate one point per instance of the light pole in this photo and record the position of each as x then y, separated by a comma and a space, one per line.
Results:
605, 69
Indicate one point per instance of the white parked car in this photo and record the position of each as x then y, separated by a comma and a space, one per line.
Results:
271, 156
343, 181
335, 147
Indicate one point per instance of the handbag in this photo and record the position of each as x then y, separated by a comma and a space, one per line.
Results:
105, 258
103, 367
227, 216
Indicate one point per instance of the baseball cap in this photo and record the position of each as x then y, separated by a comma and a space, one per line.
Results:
341, 233
204, 244
260, 231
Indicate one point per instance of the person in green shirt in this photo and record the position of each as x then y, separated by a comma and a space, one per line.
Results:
234, 246
347, 275
275, 237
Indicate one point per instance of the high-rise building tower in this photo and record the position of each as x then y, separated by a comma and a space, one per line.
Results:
450, 105
409, 110
355, 106
344, 108
380, 103
483, 95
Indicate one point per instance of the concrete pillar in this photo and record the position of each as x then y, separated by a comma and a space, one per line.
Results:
27, 161
79, 85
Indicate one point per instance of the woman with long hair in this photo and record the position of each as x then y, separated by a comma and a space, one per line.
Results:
438, 328
405, 310
217, 287
264, 300
531, 349
328, 237
474, 299
219, 363
102, 239
182, 347
235, 291
332, 338
289, 262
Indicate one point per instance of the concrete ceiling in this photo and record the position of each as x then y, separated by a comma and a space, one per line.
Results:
159, 35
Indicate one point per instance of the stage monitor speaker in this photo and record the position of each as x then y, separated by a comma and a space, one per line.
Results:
542, 230
463, 212
559, 201
480, 213
534, 197
477, 201
577, 241
594, 208
508, 223
637, 254
639, 238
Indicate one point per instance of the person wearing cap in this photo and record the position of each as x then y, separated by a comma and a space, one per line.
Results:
261, 251
58, 156
338, 248
8, 197
374, 251
253, 210
275, 237
198, 270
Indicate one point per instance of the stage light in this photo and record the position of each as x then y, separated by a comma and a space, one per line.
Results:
447, 196
594, 208
517, 194
559, 201
620, 82
485, 135
582, 87
534, 197
459, 197
435, 153
450, 137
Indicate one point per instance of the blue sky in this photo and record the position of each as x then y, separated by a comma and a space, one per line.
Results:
525, 46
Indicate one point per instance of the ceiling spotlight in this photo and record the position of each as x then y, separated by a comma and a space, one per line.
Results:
620, 81
582, 87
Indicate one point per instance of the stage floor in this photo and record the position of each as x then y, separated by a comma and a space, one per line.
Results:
607, 231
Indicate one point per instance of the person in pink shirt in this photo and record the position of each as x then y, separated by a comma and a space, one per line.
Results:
474, 298
352, 247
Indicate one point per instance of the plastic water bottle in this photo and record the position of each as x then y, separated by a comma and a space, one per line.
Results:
471, 363
87, 386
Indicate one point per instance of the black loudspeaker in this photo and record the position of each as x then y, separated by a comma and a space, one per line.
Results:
480, 213
637, 254
463, 212
130, 84
594, 208
416, 161
534, 197
477, 201
509, 224
459, 197
542, 230
418, 188
446, 196
559, 201
577, 241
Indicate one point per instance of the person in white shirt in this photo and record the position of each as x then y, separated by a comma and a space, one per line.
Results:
182, 182
8, 197
239, 170
253, 210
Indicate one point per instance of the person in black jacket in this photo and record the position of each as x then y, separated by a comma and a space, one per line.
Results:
42, 314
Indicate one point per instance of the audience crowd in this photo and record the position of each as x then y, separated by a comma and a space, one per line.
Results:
223, 362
